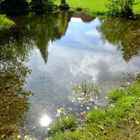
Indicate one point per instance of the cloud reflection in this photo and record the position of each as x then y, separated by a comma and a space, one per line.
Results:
45, 120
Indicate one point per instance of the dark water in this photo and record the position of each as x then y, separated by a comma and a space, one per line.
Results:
43, 57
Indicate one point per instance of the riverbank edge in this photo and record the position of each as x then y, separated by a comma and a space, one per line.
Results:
120, 120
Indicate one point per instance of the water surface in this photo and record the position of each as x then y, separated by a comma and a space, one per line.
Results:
43, 57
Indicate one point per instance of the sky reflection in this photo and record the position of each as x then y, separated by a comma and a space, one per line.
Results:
80, 55
45, 120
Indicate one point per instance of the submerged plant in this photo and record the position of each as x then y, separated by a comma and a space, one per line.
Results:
87, 88
86, 92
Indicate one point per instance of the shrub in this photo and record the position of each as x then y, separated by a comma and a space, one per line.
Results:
42, 5
5, 23
63, 1
120, 7
14, 6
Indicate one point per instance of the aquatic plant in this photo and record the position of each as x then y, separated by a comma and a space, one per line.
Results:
86, 93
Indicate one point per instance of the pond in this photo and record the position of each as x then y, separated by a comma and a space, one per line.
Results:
44, 56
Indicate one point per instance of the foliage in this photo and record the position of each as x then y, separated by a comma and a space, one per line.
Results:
42, 5
14, 6
90, 6
22, 6
63, 1
121, 120
93, 7
5, 23
65, 123
120, 7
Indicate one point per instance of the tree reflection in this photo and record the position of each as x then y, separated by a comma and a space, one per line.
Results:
125, 35
37, 30
15, 45
13, 99
48, 28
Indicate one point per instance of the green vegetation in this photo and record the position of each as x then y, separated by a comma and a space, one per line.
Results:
42, 5
136, 7
90, 6
5, 23
120, 120
122, 8
95, 6
14, 6
65, 123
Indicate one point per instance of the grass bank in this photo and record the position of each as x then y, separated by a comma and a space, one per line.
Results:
95, 6
5, 23
120, 120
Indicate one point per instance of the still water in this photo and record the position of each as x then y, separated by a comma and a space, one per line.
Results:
43, 57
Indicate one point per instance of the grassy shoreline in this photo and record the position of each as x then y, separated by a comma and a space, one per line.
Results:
120, 120
96, 7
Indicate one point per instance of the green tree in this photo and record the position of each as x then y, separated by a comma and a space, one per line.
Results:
42, 5
63, 1
14, 6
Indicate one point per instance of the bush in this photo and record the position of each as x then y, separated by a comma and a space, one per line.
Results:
42, 5
120, 7
14, 6
5, 23
63, 1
